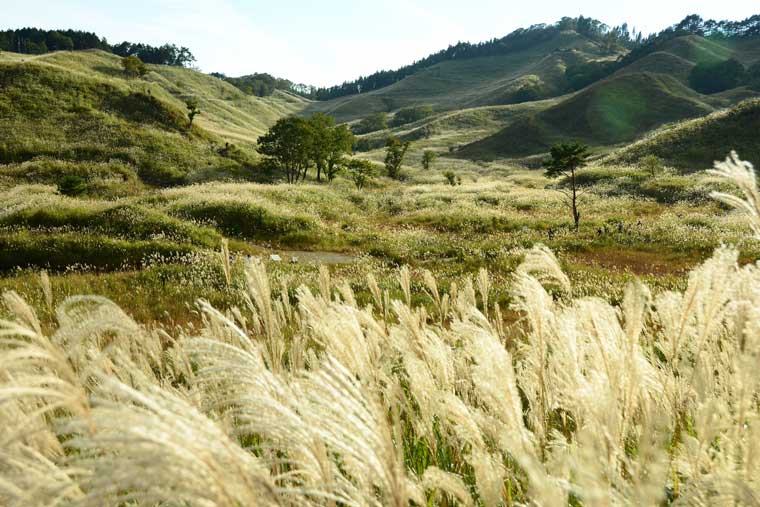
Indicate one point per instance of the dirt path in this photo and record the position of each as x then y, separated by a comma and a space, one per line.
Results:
317, 257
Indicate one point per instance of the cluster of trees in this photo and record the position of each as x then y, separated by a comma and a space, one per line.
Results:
37, 41
168, 54
411, 115
371, 123
516, 41
259, 84
715, 77
294, 145
611, 37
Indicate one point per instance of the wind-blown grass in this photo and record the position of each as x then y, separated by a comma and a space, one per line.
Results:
317, 400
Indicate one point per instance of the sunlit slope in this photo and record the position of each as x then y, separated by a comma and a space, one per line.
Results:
473, 82
696, 144
76, 107
638, 98
612, 111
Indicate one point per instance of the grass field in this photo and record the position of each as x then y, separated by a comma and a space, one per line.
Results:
634, 225
397, 390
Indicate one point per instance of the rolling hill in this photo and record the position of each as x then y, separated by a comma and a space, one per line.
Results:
636, 99
473, 82
609, 112
696, 144
74, 112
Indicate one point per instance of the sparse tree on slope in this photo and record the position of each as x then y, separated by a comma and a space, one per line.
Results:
133, 67
395, 151
321, 126
566, 159
341, 143
360, 171
192, 109
428, 157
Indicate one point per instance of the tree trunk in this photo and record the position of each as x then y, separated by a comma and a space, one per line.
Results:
576, 214
319, 173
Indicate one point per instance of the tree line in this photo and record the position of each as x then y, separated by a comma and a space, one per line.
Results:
38, 41
262, 84
294, 146
168, 54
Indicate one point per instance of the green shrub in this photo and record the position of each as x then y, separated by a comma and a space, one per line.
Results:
246, 220
371, 123
62, 251
411, 115
716, 77
72, 186
125, 222
451, 178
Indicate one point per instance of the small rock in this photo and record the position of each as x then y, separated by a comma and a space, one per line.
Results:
275, 258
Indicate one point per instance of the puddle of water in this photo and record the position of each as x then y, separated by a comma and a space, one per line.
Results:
317, 257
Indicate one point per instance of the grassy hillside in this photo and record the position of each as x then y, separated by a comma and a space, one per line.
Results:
75, 112
472, 82
695, 144
642, 96
609, 112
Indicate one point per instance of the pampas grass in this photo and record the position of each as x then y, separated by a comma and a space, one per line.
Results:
321, 401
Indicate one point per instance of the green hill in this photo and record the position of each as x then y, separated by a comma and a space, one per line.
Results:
74, 112
695, 144
474, 98
466, 83
641, 96
613, 111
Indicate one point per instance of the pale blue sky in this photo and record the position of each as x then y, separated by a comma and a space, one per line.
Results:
330, 41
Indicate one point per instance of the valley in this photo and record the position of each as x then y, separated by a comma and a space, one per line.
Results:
517, 272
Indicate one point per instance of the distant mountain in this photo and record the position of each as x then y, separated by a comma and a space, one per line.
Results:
521, 39
637, 98
603, 86
509, 98
530, 73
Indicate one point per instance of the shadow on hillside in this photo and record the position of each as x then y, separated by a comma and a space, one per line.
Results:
108, 71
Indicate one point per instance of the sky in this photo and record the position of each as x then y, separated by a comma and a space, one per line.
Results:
327, 42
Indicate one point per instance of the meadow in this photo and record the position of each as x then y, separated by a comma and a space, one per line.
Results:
634, 225
405, 387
